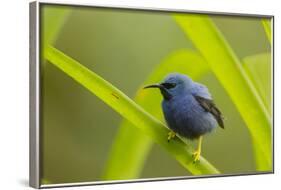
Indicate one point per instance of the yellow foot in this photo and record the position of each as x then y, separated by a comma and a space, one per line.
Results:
196, 156
171, 135
197, 153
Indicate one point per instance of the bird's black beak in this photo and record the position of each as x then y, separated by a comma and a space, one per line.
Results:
163, 90
154, 86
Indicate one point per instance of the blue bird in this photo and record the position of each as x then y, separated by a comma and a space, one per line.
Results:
188, 109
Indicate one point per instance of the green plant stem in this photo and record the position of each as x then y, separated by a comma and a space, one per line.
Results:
129, 110
228, 69
128, 164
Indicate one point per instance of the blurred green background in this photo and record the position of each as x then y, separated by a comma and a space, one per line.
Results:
124, 46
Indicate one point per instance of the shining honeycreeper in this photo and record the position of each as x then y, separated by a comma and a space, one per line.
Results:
188, 108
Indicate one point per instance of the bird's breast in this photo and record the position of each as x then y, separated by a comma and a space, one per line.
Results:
185, 116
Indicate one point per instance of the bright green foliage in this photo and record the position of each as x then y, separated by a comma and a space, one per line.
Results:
128, 164
259, 69
129, 110
140, 129
229, 71
267, 27
53, 19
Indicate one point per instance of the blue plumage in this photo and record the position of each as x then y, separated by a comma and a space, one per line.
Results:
188, 108
183, 113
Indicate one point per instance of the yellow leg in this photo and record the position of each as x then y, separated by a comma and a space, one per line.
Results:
171, 135
197, 153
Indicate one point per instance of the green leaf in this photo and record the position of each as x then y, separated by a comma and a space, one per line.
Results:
128, 164
259, 69
127, 108
53, 18
267, 27
229, 71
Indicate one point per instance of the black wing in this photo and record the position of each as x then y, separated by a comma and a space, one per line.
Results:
210, 106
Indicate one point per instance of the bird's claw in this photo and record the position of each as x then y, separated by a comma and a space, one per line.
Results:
171, 135
196, 156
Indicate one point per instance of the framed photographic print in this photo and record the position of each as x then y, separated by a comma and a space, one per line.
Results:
131, 94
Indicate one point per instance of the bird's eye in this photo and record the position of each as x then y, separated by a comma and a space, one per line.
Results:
169, 85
